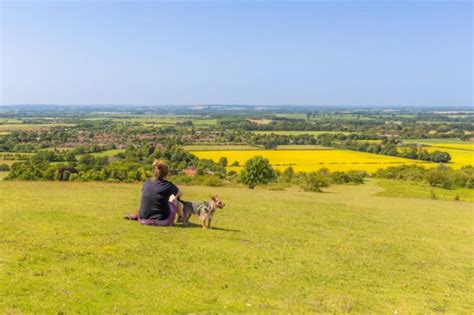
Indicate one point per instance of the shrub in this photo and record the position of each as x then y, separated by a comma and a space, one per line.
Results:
4, 168
439, 178
314, 181
357, 177
257, 170
287, 175
223, 161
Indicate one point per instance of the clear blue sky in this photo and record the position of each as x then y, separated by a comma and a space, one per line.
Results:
404, 53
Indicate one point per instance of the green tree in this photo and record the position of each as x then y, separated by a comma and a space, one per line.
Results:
257, 170
440, 157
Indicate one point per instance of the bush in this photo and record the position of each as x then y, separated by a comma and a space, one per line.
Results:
256, 171
287, 175
4, 168
439, 178
314, 181
223, 161
204, 180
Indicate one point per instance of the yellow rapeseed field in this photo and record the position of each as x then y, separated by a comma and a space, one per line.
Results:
311, 160
461, 154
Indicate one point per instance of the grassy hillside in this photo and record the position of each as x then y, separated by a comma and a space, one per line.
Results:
65, 248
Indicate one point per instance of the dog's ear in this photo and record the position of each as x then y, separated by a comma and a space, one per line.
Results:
213, 198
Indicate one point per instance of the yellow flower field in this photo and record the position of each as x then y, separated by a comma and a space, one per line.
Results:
311, 160
461, 154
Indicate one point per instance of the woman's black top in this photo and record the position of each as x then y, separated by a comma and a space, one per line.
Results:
155, 196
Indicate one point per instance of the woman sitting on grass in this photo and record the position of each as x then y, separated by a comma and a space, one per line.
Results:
156, 207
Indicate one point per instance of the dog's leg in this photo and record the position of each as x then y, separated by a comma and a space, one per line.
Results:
179, 211
186, 216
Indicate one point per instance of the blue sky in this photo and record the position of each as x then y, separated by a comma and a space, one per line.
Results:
390, 53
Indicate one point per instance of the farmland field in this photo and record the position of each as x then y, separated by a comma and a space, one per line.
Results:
156, 120
218, 147
299, 132
435, 141
311, 160
13, 127
302, 147
67, 249
459, 157
462, 152
108, 152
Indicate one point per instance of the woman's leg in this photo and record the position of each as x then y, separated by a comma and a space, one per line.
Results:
173, 205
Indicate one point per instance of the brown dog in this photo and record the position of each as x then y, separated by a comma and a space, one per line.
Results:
204, 210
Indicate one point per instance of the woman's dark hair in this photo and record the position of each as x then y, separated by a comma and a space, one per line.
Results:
160, 169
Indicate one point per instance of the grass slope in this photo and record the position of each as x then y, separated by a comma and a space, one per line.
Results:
65, 248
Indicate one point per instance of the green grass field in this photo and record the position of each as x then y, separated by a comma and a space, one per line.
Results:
422, 190
436, 141
108, 152
66, 249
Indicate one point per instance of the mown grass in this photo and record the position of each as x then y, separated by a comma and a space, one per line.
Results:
65, 248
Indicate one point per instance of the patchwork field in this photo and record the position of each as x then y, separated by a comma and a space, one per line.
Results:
108, 152
217, 147
436, 141
13, 127
156, 120
67, 250
462, 152
459, 157
299, 132
311, 160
